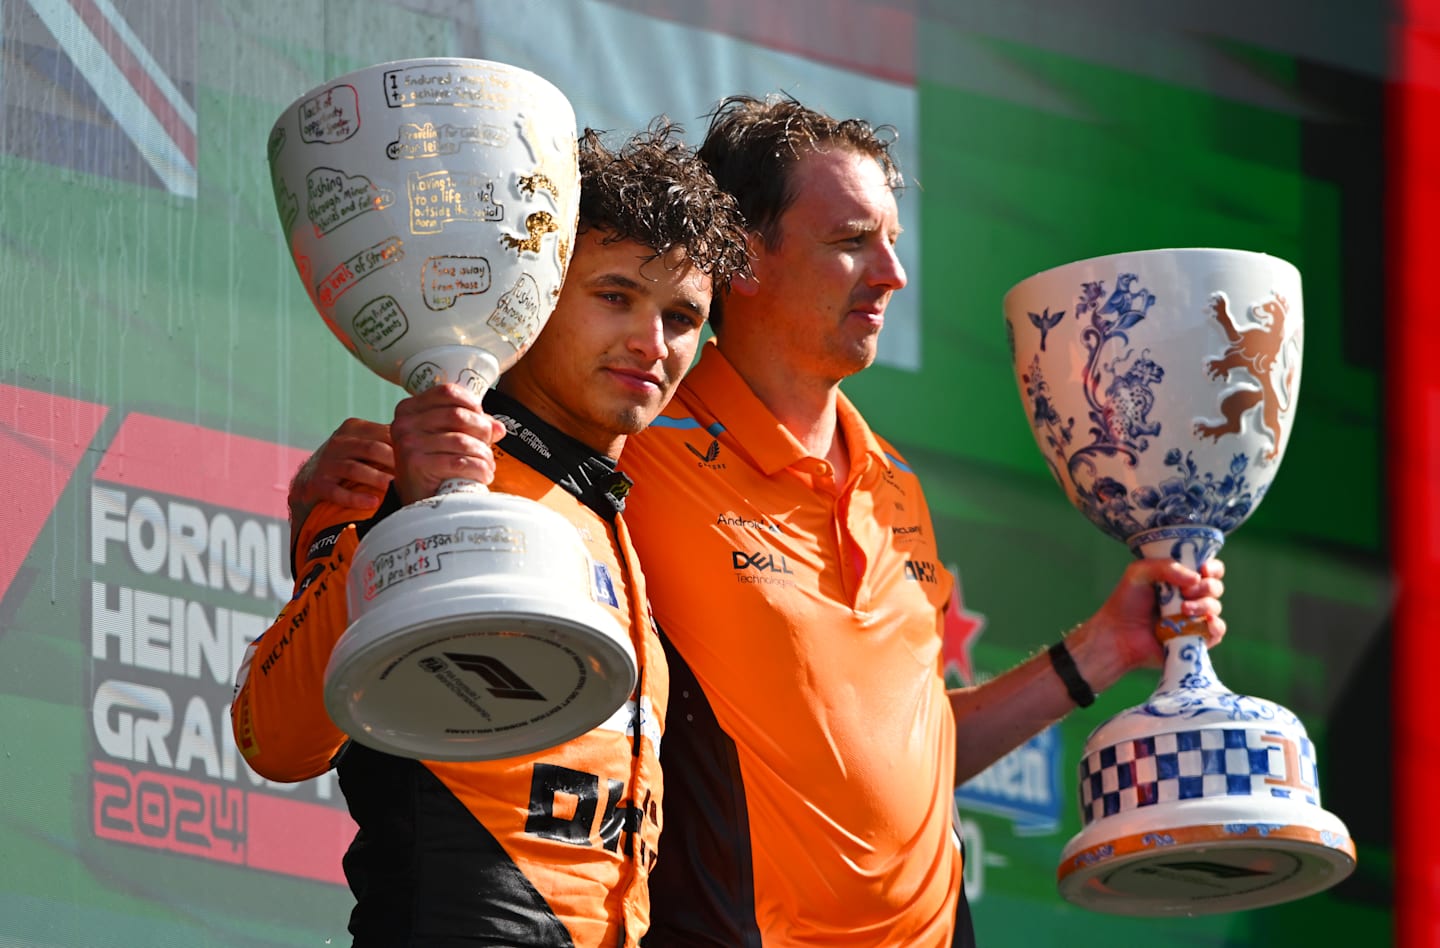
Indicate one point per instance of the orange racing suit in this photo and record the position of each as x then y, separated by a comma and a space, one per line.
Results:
549, 849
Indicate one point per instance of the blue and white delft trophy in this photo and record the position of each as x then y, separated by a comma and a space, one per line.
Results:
430, 207
1161, 388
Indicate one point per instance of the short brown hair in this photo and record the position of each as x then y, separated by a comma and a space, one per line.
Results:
753, 145
654, 190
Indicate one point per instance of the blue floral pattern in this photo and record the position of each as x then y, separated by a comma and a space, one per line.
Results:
1120, 388
1190, 689
1245, 829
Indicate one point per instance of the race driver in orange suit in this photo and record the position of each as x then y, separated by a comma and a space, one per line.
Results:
553, 848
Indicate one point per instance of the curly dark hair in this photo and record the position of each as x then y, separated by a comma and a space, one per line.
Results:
753, 145
653, 190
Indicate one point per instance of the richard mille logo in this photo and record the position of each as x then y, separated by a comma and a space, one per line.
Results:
707, 458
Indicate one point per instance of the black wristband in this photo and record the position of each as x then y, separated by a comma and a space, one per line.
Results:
1080, 691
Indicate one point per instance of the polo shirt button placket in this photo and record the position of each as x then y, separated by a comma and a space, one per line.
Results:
822, 477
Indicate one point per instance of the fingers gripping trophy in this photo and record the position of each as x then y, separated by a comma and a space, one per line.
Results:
430, 207
1161, 388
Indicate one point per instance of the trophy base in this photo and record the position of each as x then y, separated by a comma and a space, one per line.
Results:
1204, 869
1200, 801
479, 677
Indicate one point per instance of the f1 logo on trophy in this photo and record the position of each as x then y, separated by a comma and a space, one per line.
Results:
1161, 388
430, 207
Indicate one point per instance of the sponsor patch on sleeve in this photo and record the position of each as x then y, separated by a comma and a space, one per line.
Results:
324, 543
604, 585
245, 733
310, 576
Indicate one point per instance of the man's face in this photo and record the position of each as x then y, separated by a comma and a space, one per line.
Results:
623, 333
823, 288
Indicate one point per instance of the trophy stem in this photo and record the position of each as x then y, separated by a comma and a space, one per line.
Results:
1190, 544
460, 485
476, 369
1187, 666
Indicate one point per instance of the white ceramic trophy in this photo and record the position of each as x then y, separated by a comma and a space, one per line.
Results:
1161, 388
430, 206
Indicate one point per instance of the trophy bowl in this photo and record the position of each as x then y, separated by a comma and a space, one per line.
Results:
430, 208
1161, 388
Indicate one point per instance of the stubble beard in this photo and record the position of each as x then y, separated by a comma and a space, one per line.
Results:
856, 355
632, 419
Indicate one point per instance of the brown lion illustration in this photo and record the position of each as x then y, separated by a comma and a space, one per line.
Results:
1257, 351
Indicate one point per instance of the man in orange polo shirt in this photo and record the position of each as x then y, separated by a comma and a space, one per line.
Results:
553, 848
812, 749
813, 752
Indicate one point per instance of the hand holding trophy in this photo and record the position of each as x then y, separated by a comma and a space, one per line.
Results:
430, 207
1161, 389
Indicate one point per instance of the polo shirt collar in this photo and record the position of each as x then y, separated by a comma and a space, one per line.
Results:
770, 445
864, 446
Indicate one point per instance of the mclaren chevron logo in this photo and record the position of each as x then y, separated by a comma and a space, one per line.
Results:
500, 679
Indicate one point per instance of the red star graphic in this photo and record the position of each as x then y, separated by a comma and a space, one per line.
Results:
962, 628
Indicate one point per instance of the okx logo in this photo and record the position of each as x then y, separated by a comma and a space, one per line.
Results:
500, 679
921, 571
